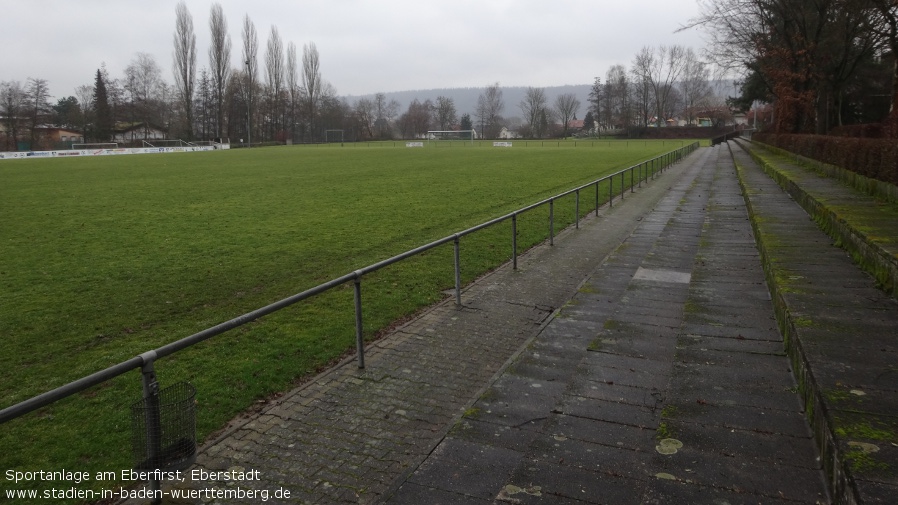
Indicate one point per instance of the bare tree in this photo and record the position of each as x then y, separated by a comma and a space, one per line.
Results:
533, 106
185, 62
219, 62
250, 52
641, 72
596, 98
489, 110
384, 114
884, 24
311, 79
204, 105
274, 71
366, 116
37, 96
85, 96
803, 52
142, 80
694, 85
660, 68
444, 113
618, 97
566, 106
12, 104
293, 91
416, 119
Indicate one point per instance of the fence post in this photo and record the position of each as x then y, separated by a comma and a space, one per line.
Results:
551, 221
359, 336
514, 240
457, 273
577, 210
153, 418
610, 191
597, 198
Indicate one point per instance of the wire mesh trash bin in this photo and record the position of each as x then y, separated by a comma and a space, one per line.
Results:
164, 429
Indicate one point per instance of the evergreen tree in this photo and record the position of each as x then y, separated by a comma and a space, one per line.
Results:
589, 123
103, 126
466, 123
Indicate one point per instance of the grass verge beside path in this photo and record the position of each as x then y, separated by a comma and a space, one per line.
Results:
104, 258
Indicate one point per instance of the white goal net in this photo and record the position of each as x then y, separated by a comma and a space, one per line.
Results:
462, 135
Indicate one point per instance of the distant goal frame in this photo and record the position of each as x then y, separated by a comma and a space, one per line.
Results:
432, 135
327, 134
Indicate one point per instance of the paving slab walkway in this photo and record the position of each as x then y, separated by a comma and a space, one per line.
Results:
663, 380
842, 331
639, 360
352, 436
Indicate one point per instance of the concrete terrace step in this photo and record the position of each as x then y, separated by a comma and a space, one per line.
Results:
841, 331
864, 225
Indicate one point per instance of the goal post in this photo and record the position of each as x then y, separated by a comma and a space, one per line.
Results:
333, 134
463, 135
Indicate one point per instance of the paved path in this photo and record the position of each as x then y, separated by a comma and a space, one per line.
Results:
664, 380
352, 436
661, 378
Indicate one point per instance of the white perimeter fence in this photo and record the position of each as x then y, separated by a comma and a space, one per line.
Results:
65, 153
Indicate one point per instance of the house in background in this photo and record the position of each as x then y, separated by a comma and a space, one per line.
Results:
56, 135
506, 134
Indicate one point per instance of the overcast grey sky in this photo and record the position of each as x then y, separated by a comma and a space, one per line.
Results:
365, 46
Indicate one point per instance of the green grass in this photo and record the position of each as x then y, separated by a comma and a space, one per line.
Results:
104, 258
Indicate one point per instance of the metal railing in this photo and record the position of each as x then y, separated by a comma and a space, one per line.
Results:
745, 132
637, 174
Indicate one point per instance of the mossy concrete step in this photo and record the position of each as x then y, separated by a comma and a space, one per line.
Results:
864, 225
841, 335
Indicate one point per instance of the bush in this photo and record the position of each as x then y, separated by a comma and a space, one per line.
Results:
865, 131
876, 158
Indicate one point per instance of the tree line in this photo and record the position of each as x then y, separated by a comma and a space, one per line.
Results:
279, 93
822, 63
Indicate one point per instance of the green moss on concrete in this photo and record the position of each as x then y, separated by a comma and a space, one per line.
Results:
669, 411
862, 430
664, 431
863, 461
588, 289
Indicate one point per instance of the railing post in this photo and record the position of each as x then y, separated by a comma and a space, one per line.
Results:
623, 185
551, 221
597, 198
610, 191
153, 417
514, 240
631, 179
457, 273
359, 336
577, 209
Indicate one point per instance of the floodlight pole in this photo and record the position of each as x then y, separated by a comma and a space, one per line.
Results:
249, 135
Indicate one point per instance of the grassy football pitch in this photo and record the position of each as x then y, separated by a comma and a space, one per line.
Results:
104, 258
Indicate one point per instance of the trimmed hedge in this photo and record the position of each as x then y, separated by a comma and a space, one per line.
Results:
866, 131
873, 158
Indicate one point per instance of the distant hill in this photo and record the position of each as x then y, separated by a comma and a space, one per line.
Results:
466, 98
